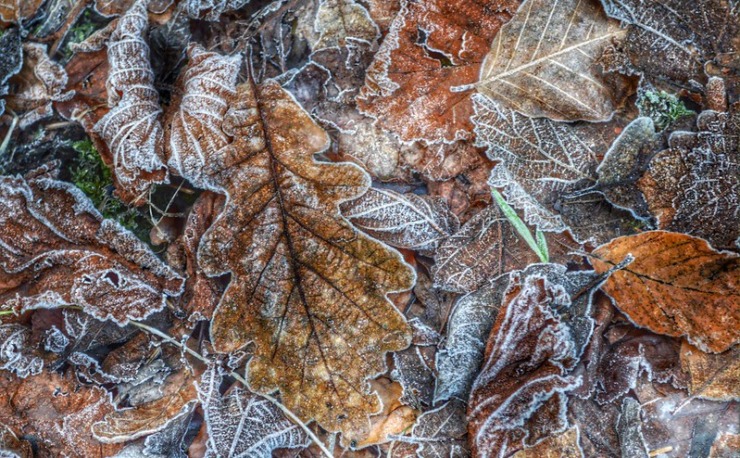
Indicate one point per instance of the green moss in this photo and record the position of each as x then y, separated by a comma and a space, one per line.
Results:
664, 109
79, 33
92, 176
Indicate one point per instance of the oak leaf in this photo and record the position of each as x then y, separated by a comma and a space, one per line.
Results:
306, 287
431, 47
677, 285
542, 62
714, 377
56, 249
693, 186
242, 424
418, 223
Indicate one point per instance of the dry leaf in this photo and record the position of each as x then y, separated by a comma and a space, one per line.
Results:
13, 447
17, 11
210, 10
714, 377
56, 249
341, 21
418, 223
629, 429
548, 170
132, 128
12, 62
519, 395
242, 424
693, 186
727, 445
440, 432
306, 288
543, 62
677, 285
117, 7
394, 418
17, 352
561, 446
432, 47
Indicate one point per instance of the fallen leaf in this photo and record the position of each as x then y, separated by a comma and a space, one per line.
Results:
56, 249
12, 446
677, 285
17, 11
693, 186
629, 429
17, 353
548, 170
12, 62
674, 41
418, 223
132, 128
714, 377
306, 288
439, 432
242, 424
413, 370
727, 445
57, 412
432, 47
563, 445
118, 7
210, 10
542, 63
598, 426
394, 418
339, 21
519, 397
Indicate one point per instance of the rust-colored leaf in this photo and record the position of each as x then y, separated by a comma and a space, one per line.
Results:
56, 249
306, 288
17, 11
677, 285
715, 377
432, 47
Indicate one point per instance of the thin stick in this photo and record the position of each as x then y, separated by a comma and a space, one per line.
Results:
239, 378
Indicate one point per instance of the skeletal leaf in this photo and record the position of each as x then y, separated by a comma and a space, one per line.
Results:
677, 285
439, 432
410, 221
242, 424
542, 62
132, 128
714, 377
545, 167
306, 288
675, 41
56, 249
431, 48
206, 88
693, 186
519, 395
338, 21
17, 352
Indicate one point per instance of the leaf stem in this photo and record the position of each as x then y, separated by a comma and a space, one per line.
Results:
539, 246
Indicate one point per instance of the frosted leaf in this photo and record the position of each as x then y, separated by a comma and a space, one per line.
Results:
205, 90
629, 428
13, 447
544, 166
542, 62
17, 353
168, 443
419, 223
18, 11
55, 249
55, 341
694, 186
132, 129
440, 432
338, 21
12, 61
210, 10
414, 372
675, 41
461, 354
519, 395
242, 424
117, 7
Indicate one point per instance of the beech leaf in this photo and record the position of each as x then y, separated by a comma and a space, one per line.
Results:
677, 285
542, 62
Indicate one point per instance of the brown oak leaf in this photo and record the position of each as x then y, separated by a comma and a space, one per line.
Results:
542, 62
432, 47
677, 285
519, 396
715, 377
56, 249
306, 287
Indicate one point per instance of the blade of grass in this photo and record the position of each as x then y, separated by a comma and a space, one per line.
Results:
539, 246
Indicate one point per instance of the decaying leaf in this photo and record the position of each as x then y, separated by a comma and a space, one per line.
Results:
677, 285
563, 445
17, 11
432, 46
12, 62
338, 21
210, 10
17, 352
117, 7
394, 418
675, 41
57, 412
727, 445
439, 432
12, 446
519, 395
242, 424
546, 167
693, 186
56, 249
543, 62
306, 288
132, 128
629, 428
715, 377
410, 221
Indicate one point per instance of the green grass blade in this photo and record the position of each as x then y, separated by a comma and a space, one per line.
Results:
540, 245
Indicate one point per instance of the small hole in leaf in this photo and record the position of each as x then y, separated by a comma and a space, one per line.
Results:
113, 278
